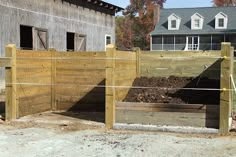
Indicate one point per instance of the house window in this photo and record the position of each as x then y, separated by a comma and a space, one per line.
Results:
26, 37
70, 41
197, 23
173, 23
221, 22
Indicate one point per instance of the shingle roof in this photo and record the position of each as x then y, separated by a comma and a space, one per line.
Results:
185, 14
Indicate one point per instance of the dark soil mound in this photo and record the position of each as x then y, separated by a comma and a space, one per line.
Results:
173, 93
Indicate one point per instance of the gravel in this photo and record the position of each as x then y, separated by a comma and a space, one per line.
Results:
37, 141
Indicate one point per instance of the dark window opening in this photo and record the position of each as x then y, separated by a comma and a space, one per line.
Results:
26, 37
70, 40
173, 23
221, 22
108, 40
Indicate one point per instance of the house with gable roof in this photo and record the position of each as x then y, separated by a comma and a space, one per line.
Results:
194, 29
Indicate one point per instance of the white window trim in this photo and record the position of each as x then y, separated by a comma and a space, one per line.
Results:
221, 15
177, 19
151, 43
107, 35
197, 23
219, 22
195, 17
175, 24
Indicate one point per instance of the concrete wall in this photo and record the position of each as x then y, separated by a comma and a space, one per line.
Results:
58, 18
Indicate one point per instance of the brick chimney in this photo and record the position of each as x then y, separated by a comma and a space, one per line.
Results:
156, 16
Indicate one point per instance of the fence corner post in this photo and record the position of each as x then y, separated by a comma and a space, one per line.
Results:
138, 54
225, 85
110, 90
11, 108
53, 79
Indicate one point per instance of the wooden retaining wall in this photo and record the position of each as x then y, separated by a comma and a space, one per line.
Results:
195, 115
38, 81
214, 65
180, 63
80, 77
41, 81
122, 69
33, 78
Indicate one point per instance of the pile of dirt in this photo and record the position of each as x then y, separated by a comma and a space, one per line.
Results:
173, 92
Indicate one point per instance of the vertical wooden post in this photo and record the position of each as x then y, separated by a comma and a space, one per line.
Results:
10, 79
110, 83
225, 86
53, 80
138, 53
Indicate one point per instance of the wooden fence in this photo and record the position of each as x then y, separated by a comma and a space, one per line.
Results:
42, 81
180, 63
215, 65
38, 81
122, 69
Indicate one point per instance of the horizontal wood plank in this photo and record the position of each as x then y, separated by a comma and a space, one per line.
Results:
5, 62
166, 118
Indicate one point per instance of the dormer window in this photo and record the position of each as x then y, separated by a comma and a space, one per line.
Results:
197, 21
221, 21
173, 22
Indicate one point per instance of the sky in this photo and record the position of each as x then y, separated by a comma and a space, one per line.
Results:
170, 3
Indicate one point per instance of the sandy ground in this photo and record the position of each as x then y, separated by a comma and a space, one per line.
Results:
56, 135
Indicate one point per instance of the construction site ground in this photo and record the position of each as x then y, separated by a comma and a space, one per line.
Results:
56, 134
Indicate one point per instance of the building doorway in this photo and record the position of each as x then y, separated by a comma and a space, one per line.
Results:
192, 43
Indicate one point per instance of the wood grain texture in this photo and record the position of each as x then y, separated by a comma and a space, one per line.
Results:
225, 102
50, 80
110, 91
11, 90
166, 118
165, 64
5, 62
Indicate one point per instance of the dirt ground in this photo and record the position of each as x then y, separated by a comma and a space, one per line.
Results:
57, 135
173, 94
68, 134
